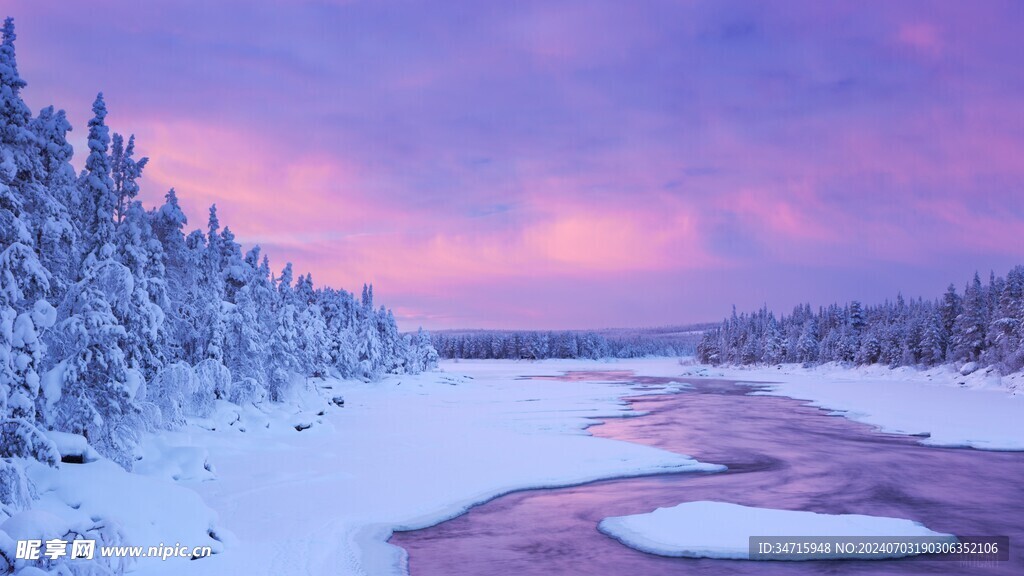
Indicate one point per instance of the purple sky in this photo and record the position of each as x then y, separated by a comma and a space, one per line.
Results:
569, 164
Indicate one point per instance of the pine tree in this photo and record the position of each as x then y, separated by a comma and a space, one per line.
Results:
234, 273
772, 348
312, 329
933, 341
249, 324
195, 312
807, 345
368, 350
969, 328
24, 281
16, 158
96, 189
167, 224
1006, 331
949, 310
125, 171
426, 354
245, 338
143, 317
284, 341
24, 315
97, 387
53, 232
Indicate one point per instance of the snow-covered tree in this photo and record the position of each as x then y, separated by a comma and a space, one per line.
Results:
314, 342
143, 315
96, 384
807, 345
234, 273
168, 223
368, 346
24, 315
970, 325
17, 161
125, 172
984, 325
426, 355
97, 199
284, 358
53, 232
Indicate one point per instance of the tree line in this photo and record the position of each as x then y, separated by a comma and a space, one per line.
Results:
983, 324
538, 345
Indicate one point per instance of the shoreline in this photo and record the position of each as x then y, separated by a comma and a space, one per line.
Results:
938, 406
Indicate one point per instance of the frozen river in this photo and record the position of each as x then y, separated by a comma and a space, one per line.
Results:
780, 454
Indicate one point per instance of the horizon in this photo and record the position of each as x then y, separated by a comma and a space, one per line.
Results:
573, 165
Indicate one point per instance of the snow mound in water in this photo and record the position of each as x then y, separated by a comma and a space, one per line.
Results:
722, 530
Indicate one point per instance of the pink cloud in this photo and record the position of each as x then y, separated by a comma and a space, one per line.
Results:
269, 188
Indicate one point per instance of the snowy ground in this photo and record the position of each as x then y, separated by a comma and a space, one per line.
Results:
404, 453
722, 530
981, 410
311, 488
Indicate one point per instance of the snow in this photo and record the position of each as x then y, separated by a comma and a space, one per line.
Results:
722, 530
72, 445
404, 453
164, 457
50, 383
969, 368
31, 524
99, 500
946, 409
43, 314
149, 509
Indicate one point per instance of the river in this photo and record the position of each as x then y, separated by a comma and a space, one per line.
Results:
780, 454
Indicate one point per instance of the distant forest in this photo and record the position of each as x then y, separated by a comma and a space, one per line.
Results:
983, 324
536, 345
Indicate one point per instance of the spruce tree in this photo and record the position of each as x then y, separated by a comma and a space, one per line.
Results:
24, 315
98, 201
969, 328
125, 171
97, 387
53, 232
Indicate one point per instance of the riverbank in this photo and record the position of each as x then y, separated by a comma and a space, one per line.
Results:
940, 406
981, 410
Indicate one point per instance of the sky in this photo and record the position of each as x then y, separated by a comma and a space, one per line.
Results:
568, 164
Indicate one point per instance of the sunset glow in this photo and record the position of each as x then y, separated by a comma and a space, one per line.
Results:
590, 164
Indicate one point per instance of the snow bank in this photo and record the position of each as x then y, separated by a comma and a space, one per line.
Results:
150, 510
722, 530
98, 500
940, 405
72, 446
